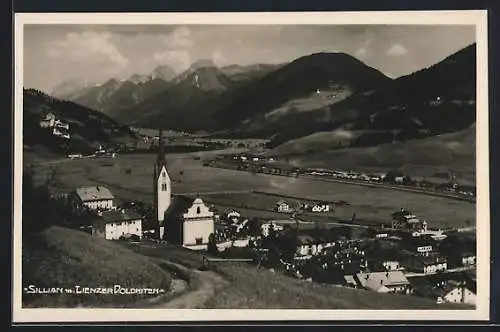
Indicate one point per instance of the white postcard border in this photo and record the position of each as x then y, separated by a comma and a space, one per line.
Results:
477, 18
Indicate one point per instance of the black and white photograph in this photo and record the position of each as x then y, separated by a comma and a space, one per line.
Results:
280, 166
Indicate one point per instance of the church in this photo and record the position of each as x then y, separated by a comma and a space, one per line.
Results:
183, 220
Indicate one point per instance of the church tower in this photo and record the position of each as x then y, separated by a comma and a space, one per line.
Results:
162, 186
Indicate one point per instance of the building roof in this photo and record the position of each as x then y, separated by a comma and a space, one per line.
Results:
94, 193
375, 280
180, 204
113, 216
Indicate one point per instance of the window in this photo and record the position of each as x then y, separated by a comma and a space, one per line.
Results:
199, 240
198, 210
164, 175
163, 187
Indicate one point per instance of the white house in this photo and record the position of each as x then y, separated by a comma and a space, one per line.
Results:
391, 265
456, 292
283, 207
265, 228
114, 224
95, 198
233, 216
318, 208
468, 259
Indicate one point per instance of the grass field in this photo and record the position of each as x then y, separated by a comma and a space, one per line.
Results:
252, 288
374, 205
421, 158
60, 257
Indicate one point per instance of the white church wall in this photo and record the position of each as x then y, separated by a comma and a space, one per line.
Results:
195, 229
164, 193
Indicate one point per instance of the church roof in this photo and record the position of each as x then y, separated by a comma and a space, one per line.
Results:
179, 205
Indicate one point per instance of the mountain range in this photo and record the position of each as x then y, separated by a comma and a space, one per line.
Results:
322, 94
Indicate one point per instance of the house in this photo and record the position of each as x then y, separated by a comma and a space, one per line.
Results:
457, 292
399, 179
391, 265
233, 216
317, 208
385, 282
427, 265
283, 207
468, 259
265, 228
114, 224
305, 243
94, 197
189, 222
48, 120
449, 291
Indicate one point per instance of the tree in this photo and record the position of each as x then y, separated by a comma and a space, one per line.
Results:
212, 245
254, 227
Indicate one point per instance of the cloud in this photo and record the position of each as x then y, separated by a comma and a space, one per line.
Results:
218, 58
179, 38
177, 59
361, 53
85, 47
396, 50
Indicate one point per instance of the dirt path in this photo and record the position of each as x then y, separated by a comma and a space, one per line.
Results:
201, 287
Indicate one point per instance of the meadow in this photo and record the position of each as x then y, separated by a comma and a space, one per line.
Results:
129, 177
60, 257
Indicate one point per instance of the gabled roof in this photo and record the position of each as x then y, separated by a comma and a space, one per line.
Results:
113, 216
94, 193
376, 279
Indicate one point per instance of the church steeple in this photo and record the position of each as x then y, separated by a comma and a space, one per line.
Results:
160, 158
162, 186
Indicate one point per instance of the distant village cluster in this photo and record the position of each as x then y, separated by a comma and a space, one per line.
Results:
407, 257
270, 165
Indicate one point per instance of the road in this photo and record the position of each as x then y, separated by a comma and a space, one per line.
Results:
458, 269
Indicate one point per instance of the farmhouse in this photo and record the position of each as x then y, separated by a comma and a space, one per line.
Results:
95, 198
450, 291
385, 282
114, 224
283, 207
317, 208
427, 265
391, 265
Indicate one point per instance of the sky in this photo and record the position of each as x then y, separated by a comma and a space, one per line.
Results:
95, 53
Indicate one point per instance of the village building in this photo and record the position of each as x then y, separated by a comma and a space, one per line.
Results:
183, 220
318, 208
426, 264
48, 120
189, 222
94, 198
283, 207
385, 282
266, 228
449, 291
391, 265
117, 224
232, 216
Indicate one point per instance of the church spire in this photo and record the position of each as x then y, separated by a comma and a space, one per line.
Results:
160, 158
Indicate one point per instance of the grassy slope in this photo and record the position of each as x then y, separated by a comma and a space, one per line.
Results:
455, 151
60, 257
